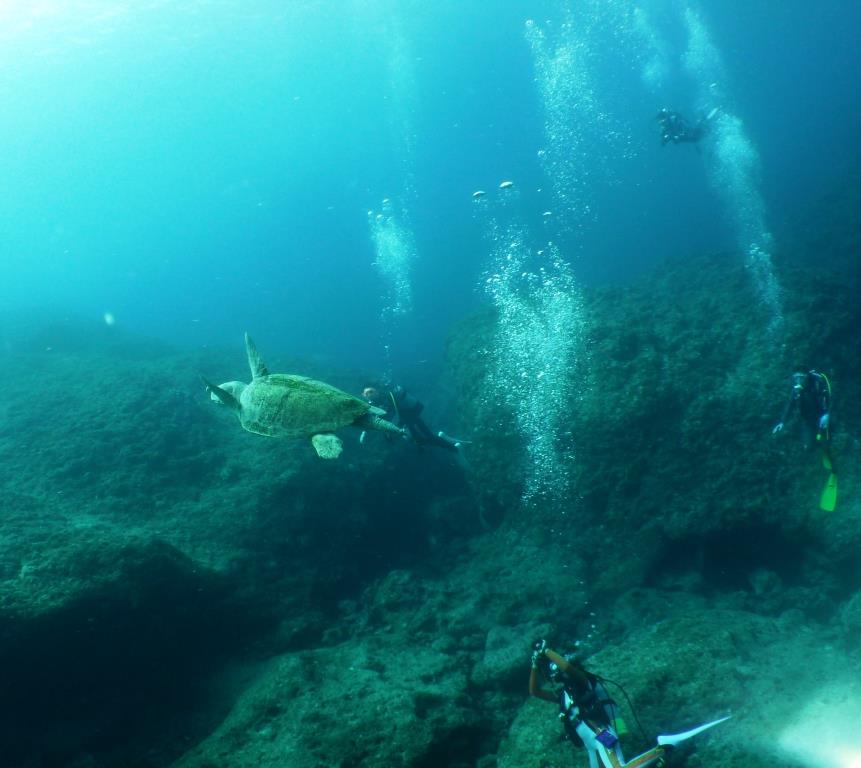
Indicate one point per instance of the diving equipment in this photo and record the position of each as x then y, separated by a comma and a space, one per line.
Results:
828, 500
600, 756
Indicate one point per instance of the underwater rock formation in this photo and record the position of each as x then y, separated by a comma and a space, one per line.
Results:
174, 591
674, 452
145, 541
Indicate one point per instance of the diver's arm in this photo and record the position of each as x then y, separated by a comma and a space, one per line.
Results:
559, 661
787, 411
535, 688
571, 670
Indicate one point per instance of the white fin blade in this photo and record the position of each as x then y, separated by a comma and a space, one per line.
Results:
671, 739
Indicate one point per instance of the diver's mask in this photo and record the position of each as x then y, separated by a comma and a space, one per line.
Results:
798, 382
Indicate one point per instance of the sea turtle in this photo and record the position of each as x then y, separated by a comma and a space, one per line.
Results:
289, 406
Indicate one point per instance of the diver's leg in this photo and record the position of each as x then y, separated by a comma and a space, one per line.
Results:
429, 438
828, 458
597, 751
823, 438
807, 434
422, 428
654, 756
415, 433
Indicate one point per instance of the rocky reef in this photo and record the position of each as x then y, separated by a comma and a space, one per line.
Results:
177, 592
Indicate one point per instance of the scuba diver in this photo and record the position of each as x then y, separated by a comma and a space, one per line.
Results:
811, 396
588, 714
401, 406
676, 129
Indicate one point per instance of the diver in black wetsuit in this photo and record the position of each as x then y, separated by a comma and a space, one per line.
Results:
406, 410
674, 127
811, 395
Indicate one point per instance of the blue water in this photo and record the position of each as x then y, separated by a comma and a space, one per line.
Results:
198, 169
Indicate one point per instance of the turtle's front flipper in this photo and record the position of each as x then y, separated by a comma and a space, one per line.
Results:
222, 395
255, 363
328, 446
372, 421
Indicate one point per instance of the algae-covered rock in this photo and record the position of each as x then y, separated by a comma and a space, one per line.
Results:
371, 702
504, 651
672, 446
262, 608
142, 542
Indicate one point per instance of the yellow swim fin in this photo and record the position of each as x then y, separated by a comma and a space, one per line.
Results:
828, 501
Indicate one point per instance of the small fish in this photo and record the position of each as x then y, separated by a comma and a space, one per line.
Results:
506, 185
478, 194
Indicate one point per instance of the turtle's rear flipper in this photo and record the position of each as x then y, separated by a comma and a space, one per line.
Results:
328, 446
222, 395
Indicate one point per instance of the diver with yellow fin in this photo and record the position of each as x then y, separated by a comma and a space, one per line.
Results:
811, 395
588, 714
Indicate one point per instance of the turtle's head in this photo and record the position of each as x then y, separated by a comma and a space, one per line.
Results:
234, 388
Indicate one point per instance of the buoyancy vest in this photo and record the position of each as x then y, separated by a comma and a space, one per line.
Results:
591, 704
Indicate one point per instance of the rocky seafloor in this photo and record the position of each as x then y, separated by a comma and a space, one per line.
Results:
177, 593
